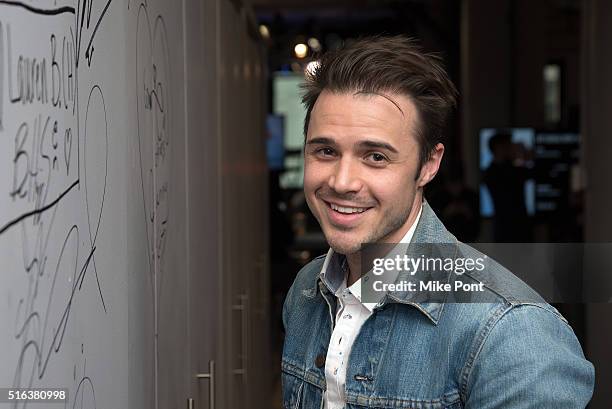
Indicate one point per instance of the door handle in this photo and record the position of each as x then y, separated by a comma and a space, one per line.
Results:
244, 336
211, 384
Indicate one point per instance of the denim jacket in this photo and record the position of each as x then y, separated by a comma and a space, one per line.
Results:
508, 351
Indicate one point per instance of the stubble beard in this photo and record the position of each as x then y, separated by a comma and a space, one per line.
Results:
383, 231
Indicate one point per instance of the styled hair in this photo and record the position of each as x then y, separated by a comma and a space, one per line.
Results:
380, 64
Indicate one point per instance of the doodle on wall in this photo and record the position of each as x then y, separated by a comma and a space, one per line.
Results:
56, 152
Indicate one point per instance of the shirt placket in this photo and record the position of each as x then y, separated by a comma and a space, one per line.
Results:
347, 319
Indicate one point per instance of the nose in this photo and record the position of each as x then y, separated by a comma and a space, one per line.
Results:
345, 178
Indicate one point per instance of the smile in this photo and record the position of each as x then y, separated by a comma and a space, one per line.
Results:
348, 210
345, 216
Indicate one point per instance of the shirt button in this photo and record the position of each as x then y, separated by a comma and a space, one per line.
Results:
320, 361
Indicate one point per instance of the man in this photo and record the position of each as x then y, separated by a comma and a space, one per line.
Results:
376, 111
506, 183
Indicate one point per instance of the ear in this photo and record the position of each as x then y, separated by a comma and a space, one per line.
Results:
431, 166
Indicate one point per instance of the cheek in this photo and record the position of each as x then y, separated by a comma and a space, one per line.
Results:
311, 185
394, 190
314, 176
309, 181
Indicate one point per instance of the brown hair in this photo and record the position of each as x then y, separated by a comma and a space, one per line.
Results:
388, 64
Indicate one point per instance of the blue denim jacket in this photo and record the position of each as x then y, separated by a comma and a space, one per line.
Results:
503, 352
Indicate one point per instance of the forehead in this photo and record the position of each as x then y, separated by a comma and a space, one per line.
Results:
356, 113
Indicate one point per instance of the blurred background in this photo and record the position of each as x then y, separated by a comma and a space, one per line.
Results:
203, 223
527, 148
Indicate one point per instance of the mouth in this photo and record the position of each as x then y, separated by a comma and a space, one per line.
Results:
345, 216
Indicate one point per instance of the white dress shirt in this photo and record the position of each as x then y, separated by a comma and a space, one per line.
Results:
350, 315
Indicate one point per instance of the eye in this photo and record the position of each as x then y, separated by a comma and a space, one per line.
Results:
376, 157
325, 152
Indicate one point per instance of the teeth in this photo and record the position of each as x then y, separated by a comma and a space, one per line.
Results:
347, 210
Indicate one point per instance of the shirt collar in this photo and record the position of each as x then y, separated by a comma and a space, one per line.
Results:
334, 271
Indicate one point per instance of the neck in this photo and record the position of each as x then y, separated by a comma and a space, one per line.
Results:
354, 259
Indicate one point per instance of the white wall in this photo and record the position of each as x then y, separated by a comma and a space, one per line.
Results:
132, 178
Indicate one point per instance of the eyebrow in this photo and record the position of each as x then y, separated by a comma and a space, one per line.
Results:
379, 145
320, 140
323, 140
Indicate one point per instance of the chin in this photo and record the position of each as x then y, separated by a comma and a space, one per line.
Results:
343, 247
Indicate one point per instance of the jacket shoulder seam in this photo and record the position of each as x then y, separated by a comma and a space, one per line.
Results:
486, 331
477, 347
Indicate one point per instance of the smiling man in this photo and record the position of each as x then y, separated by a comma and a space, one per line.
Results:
376, 113
363, 180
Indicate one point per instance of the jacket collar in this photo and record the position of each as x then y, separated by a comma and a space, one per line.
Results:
429, 230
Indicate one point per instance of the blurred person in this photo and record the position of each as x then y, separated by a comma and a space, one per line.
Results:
373, 129
505, 178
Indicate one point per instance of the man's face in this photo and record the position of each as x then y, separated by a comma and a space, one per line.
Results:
360, 163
